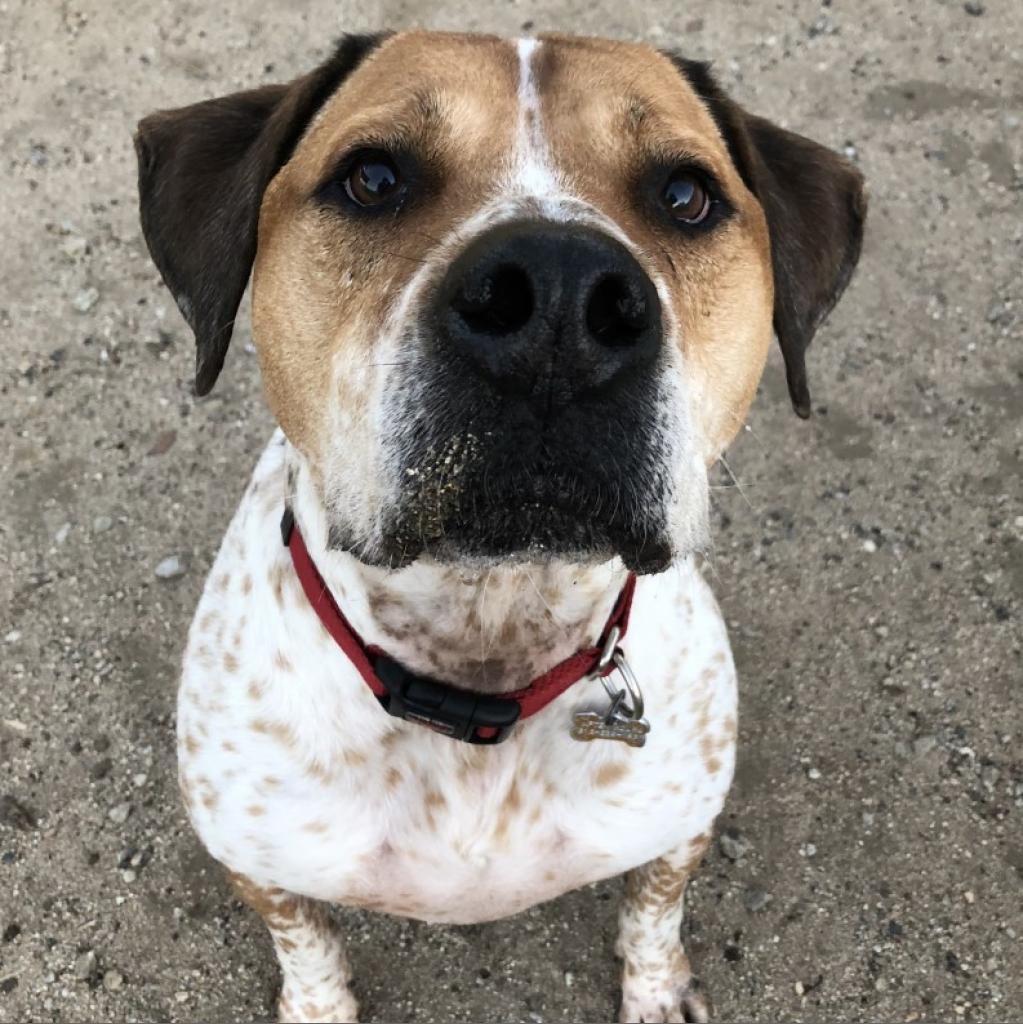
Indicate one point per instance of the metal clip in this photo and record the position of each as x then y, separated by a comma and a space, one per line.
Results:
623, 719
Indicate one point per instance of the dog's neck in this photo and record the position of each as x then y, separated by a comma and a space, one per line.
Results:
493, 629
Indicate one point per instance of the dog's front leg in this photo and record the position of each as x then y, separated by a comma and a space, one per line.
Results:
314, 968
657, 983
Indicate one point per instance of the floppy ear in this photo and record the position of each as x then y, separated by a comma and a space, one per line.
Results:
815, 208
202, 173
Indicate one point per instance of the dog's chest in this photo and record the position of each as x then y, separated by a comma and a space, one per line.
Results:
295, 777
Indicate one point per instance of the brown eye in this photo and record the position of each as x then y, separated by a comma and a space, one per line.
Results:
372, 179
685, 198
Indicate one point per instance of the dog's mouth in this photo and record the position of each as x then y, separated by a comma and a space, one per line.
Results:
522, 497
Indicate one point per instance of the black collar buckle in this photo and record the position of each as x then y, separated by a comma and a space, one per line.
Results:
459, 714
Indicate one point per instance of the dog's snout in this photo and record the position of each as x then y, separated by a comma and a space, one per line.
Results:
550, 309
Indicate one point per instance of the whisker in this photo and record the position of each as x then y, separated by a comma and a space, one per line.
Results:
543, 601
735, 480
483, 629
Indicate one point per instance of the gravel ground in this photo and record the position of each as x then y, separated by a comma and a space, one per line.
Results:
870, 863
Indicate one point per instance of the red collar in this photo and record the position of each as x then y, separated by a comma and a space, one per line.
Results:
461, 714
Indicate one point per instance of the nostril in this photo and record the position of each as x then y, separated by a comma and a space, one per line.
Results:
617, 312
496, 303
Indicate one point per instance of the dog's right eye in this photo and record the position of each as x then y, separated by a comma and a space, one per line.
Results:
372, 179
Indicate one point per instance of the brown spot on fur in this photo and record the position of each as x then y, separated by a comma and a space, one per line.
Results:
230, 662
315, 826
513, 799
281, 662
279, 731
277, 574
610, 773
228, 746
255, 689
246, 584
256, 810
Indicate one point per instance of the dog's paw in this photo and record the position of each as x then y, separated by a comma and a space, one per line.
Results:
307, 1008
654, 1002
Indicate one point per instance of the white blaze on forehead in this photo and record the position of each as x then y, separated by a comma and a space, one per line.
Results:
533, 172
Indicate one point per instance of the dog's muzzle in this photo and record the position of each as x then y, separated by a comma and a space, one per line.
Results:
535, 412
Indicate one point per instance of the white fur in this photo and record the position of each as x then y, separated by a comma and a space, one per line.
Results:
534, 173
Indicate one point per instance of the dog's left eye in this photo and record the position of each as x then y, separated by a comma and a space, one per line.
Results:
686, 198
372, 179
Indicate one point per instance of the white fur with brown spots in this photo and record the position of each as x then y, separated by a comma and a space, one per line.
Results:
298, 781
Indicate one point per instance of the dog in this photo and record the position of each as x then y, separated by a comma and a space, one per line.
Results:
511, 299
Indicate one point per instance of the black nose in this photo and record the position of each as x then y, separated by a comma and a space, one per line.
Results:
550, 311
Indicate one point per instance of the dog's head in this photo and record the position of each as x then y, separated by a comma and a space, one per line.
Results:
510, 298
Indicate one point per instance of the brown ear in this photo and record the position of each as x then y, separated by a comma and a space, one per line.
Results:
815, 208
202, 173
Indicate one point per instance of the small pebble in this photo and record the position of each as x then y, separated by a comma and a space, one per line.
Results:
974, 9
101, 769
113, 980
11, 932
869, 546
85, 300
995, 312
62, 534
733, 845
85, 965
119, 814
181, 997
756, 899
924, 744
170, 568
101, 524
74, 246
16, 814
813, 774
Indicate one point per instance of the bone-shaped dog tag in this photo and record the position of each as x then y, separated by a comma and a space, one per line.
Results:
623, 719
592, 725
